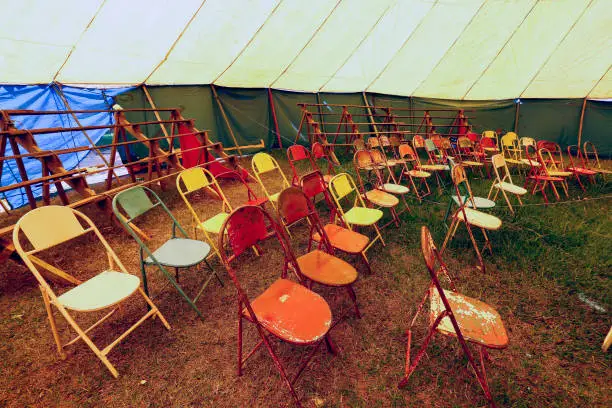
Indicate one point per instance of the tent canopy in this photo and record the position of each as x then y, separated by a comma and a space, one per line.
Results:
450, 49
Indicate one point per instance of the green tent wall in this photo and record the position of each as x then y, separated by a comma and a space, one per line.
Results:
249, 114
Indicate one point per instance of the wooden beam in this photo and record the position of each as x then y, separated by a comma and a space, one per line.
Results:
584, 103
516, 115
273, 109
155, 112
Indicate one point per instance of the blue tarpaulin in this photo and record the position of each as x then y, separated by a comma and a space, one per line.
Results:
46, 98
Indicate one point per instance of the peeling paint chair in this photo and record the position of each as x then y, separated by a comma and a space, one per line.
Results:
412, 170
343, 189
468, 215
468, 155
285, 310
199, 180
504, 183
177, 252
318, 265
50, 226
389, 184
455, 315
262, 164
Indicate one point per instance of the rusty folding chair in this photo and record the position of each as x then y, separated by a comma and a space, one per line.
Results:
455, 315
318, 265
286, 310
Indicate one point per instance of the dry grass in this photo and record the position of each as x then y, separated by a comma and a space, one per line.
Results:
544, 258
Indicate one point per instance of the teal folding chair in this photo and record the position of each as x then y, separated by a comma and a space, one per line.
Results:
176, 252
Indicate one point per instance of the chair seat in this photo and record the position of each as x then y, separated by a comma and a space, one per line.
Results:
480, 202
180, 252
274, 197
472, 163
214, 224
433, 167
103, 290
490, 149
257, 201
604, 171
582, 171
381, 199
362, 216
514, 161
480, 219
395, 188
344, 239
418, 173
559, 173
292, 312
545, 178
511, 188
531, 162
321, 267
479, 323
393, 162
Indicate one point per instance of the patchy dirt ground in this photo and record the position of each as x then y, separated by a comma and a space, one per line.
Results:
544, 258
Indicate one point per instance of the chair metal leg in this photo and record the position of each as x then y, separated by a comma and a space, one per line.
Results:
56, 338
353, 296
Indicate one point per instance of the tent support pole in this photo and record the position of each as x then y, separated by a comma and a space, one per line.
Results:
516, 116
321, 119
273, 110
156, 113
584, 103
60, 92
225, 119
369, 111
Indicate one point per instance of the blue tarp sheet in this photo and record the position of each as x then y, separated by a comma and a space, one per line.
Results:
45, 98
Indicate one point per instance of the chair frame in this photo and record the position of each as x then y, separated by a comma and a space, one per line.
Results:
537, 174
298, 153
51, 299
415, 164
591, 154
583, 169
317, 187
257, 171
145, 250
290, 262
432, 257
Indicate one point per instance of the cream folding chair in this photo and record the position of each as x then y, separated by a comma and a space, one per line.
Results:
504, 184
50, 226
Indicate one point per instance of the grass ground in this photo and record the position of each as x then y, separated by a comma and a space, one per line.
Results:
546, 261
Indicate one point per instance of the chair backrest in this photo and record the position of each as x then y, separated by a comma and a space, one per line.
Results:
487, 142
464, 143
200, 179
313, 184
418, 142
430, 145
234, 175
50, 226
384, 141
373, 142
527, 141
263, 163
462, 185
474, 137
378, 157
574, 151
359, 143
590, 153
318, 151
341, 186
510, 139
362, 159
490, 134
298, 153
395, 140
294, 205
546, 160
436, 266
502, 174
406, 150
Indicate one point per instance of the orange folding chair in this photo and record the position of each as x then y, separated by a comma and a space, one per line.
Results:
455, 315
342, 239
412, 169
317, 265
286, 310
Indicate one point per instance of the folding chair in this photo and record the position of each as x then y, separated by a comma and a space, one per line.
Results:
320, 153
551, 169
342, 187
418, 144
511, 150
299, 157
286, 310
389, 184
50, 226
435, 155
557, 167
591, 155
412, 169
475, 202
581, 168
375, 196
537, 174
313, 184
455, 315
251, 197
175, 253
263, 163
468, 156
490, 141
317, 265
199, 180
504, 184
468, 215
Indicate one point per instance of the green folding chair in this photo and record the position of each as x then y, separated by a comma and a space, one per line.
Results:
176, 252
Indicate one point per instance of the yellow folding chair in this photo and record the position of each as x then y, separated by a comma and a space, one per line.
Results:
469, 215
198, 179
504, 184
262, 163
511, 149
50, 226
342, 187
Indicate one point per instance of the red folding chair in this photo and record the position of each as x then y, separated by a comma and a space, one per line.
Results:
286, 310
455, 315
251, 197
313, 184
580, 168
299, 156
537, 175
317, 265
320, 153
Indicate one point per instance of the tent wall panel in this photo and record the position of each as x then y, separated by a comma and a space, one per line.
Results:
597, 125
289, 115
546, 119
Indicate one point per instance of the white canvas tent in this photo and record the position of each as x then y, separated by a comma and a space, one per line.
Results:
451, 49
